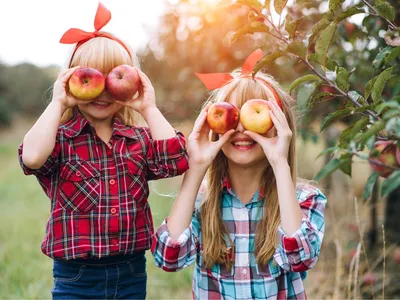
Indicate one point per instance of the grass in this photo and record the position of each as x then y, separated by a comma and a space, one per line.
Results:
25, 272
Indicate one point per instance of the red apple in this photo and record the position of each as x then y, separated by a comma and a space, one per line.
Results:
222, 117
387, 156
369, 279
86, 83
255, 117
122, 82
396, 255
398, 155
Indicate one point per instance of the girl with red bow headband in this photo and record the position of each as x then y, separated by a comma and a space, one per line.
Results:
240, 214
94, 163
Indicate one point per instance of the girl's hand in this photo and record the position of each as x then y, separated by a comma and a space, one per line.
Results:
201, 150
146, 98
276, 149
60, 94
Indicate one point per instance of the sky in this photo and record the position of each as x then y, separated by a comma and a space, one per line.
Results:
30, 30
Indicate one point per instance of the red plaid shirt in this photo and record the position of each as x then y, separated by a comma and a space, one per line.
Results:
99, 192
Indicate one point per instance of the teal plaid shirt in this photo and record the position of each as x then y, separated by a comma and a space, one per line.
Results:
281, 278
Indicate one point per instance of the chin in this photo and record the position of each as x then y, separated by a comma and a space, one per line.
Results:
248, 159
100, 113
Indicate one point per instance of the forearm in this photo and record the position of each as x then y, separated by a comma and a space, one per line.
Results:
40, 140
159, 126
181, 213
290, 211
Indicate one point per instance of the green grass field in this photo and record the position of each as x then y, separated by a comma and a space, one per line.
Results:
24, 271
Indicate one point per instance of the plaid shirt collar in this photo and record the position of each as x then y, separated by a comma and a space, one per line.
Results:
74, 127
226, 186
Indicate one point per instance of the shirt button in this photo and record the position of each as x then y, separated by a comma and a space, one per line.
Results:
244, 240
112, 181
113, 210
244, 272
78, 173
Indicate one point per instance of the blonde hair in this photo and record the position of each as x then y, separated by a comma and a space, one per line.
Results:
214, 234
103, 54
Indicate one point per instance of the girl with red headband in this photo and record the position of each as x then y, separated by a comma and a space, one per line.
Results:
93, 162
240, 214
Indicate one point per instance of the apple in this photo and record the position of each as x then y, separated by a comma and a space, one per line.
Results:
387, 155
255, 117
398, 155
369, 278
86, 83
396, 255
122, 82
222, 117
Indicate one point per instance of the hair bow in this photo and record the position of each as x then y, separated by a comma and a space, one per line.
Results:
79, 36
213, 81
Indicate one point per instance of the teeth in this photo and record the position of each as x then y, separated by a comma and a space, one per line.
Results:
100, 102
243, 143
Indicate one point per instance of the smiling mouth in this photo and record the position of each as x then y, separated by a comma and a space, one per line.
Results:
101, 103
244, 143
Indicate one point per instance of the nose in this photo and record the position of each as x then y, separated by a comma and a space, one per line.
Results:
239, 127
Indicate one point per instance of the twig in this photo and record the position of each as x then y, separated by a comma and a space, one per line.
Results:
356, 268
338, 269
378, 163
384, 261
377, 14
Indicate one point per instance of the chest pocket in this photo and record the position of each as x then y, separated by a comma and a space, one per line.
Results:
79, 187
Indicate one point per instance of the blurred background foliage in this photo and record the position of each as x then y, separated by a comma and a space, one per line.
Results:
196, 36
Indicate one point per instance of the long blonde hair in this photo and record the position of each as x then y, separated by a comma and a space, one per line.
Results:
103, 54
214, 230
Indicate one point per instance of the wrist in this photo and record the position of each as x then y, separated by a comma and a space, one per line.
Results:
280, 164
148, 111
200, 168
59, 106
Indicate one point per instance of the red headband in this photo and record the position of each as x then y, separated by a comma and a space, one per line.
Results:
75, 35
213, 81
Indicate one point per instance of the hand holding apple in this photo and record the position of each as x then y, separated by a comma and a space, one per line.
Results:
202, 151
275, 146
222, 117
122, 82
146, 98
86, 83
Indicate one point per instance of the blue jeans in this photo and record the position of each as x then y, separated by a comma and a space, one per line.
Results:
122, 278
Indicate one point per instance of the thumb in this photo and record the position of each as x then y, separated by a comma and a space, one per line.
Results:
255, 136
226, 136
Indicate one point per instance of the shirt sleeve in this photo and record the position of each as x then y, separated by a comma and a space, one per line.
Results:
300, 251
174, 255
48, 168
167, 158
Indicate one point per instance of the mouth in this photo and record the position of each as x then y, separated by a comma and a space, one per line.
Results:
101, 104
244, 144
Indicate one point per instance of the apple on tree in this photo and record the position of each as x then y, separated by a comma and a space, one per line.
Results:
222, 117
387, 153
255, 117
122, 82
86, 83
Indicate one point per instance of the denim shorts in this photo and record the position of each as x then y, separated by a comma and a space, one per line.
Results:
115, 278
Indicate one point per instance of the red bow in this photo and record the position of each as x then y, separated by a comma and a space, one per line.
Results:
213, 81
79, 36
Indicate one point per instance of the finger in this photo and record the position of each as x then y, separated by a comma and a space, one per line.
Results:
65, 76
255, 136
277, 110
225, 137
275, 120
198, 124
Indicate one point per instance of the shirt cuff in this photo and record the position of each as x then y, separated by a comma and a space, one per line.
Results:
43, 170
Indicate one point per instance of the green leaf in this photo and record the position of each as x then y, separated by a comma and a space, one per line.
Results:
259, 27
391, 114
373, 130
291, 26
331, 166
380, 83
360, 125
342, 79
394, 53
325, 61
326, 151
345, 137
297, 48
348, 13
369, 185
301, 80
380, 57
335, 116
321, 25
317, 98
386, 10
334, 4
346, 168
270, 57
279, 5
255, 4
389, 104
390, 184
324, 40
368, 87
